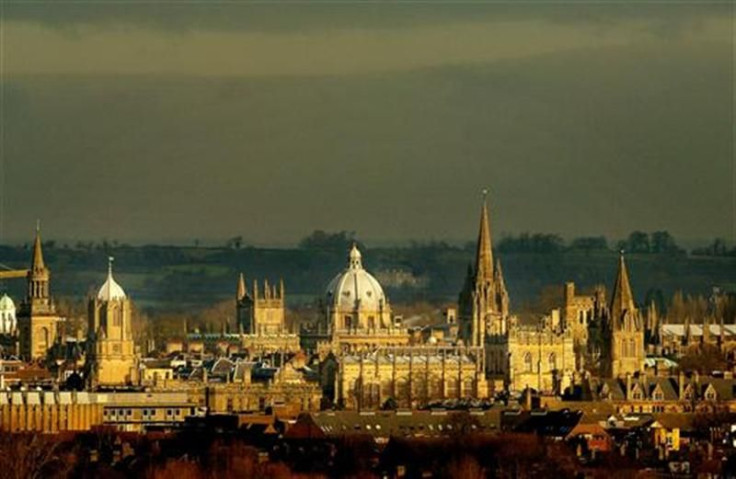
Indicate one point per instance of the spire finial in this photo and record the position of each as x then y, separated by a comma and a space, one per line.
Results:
38, 225
485, 193
110, 259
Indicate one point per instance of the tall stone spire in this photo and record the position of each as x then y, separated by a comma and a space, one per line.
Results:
622, 299
37, 263
39, 275
241, 288
484, 253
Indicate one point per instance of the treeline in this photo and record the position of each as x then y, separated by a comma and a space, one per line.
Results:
657, 242
717, 248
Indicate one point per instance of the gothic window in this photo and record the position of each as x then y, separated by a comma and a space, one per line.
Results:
528, 366
348, 322
552, 362
632, 347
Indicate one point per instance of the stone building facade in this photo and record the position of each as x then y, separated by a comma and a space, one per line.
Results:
541, 358
579, 311
411, 376
8, 320
261, 319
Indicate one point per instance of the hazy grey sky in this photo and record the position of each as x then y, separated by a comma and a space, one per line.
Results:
131, 121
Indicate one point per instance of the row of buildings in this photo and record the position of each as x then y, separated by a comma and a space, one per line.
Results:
357, 354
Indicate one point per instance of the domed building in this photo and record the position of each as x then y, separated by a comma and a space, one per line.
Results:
356, 314
8, 322
367, 358
354, 300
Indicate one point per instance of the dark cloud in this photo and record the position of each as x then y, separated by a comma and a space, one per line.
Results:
575, 142
294, 16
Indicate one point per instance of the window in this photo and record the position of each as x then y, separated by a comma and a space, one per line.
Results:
528, 366
632, 347
552, 362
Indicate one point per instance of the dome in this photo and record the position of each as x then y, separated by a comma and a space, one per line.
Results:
110, 289
354, 289
6, 304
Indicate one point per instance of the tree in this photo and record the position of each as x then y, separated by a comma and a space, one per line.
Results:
32, 456
235, 242
589, 243
321, 240
638, 242
663, 243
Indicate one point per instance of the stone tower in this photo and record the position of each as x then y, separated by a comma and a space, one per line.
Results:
111, 357
38, 321
622, 348
484, 301
260, 314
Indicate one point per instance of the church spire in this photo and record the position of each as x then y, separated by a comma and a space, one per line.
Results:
623, 299
484, 254
37, 263
38, 275
241, 293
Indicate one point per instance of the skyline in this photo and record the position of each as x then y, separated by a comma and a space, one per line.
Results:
172, 122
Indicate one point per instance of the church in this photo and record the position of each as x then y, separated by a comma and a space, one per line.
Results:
539, 356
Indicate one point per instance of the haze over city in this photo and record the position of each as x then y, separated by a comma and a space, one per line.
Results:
143, 122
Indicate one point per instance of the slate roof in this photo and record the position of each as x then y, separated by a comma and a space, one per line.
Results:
400, 423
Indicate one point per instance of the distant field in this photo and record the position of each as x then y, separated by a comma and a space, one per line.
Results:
185, 278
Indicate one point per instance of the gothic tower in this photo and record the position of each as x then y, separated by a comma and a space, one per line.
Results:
260, 314
38, 322
623, 333
111, 357
484, 301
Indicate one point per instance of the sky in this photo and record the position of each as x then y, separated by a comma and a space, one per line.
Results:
175, 121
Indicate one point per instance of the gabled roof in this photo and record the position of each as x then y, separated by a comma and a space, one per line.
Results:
667, 386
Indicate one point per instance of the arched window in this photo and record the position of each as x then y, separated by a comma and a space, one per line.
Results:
552, 362
632, 347
528, 366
